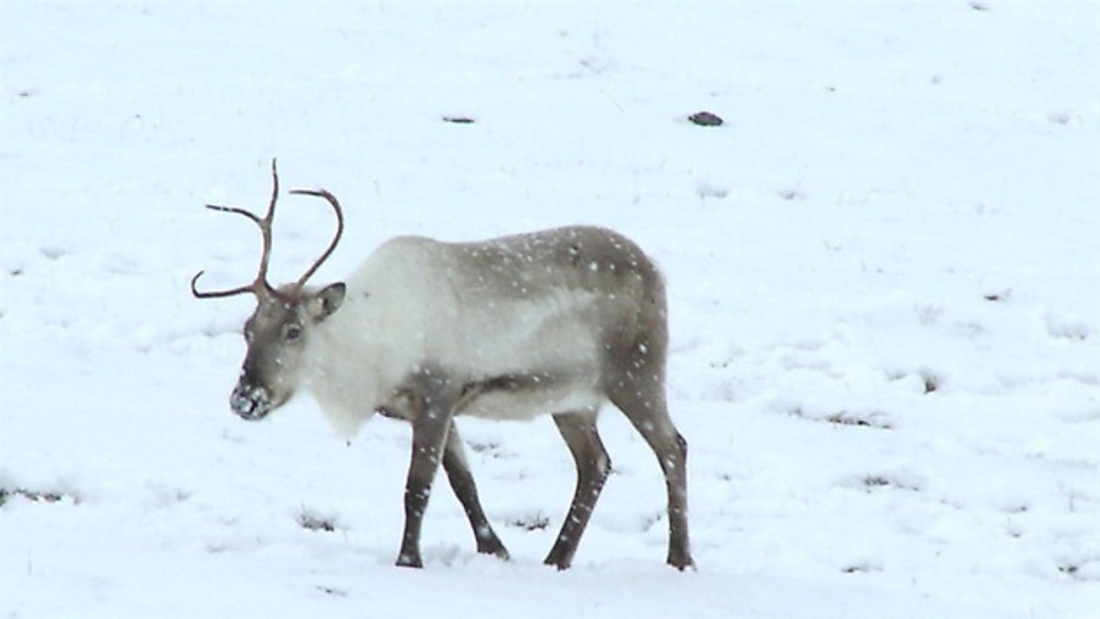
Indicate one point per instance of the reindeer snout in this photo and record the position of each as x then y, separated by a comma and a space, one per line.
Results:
250, 402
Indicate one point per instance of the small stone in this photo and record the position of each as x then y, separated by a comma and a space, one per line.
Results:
706, 119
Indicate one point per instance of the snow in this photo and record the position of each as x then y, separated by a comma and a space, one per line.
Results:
883, 269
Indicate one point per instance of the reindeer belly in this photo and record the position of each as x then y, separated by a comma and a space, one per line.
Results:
529, 394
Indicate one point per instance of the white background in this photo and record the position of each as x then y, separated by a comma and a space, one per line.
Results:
883, 273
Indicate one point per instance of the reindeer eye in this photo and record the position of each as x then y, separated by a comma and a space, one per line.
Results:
293, 332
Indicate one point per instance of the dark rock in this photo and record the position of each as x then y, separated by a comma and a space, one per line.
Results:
706, 119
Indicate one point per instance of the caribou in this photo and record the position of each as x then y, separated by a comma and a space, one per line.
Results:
558, 322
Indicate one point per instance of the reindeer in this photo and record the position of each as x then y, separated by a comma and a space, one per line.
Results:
555, 322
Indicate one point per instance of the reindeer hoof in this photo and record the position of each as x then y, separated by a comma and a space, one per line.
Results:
493, 547
408, 560
500, 553
557, 560
682, 563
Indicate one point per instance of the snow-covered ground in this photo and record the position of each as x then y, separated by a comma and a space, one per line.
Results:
884, 277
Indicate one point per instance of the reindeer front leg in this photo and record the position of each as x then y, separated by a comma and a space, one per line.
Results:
429, 435
428, 400
462, 482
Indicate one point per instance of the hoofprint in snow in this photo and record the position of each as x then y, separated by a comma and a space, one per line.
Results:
883, 274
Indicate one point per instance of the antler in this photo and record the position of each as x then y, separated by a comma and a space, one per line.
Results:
321, 193
259, 286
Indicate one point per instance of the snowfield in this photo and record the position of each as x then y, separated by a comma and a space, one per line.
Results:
883, 272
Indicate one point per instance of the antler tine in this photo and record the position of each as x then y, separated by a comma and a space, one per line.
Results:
259, 286
265, 226
218, 293
239, 211
321, 193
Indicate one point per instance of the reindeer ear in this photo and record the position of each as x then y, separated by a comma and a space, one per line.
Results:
327, 301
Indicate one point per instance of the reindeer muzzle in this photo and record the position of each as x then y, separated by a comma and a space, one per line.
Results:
251, 403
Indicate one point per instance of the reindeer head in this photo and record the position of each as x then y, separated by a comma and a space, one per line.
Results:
279, 330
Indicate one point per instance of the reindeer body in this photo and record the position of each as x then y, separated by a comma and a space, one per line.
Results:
557, 322
531, 312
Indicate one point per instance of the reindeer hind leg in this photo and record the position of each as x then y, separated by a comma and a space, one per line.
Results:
593, 466
636, 387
